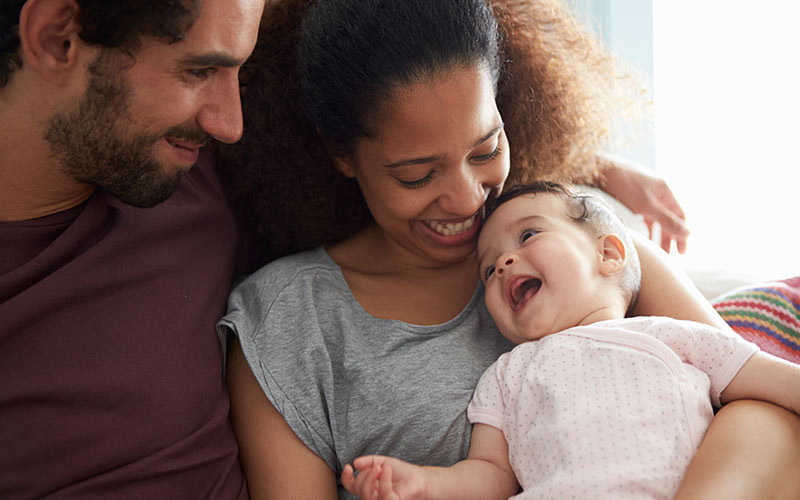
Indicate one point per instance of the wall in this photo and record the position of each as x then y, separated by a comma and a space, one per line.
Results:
626, 28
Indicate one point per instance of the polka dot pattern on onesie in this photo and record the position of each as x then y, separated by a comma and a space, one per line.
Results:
611, 410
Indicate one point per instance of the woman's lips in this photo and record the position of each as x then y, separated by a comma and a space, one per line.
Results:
452, 232
446, 228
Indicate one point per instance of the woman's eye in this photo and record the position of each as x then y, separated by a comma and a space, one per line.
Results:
487, 271
491, 156
417, 183
527, 234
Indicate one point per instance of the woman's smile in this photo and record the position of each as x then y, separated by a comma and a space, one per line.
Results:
451, 232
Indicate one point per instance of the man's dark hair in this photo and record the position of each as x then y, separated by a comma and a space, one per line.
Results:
111, 24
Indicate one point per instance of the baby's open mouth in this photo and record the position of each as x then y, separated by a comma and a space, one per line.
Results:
523, 290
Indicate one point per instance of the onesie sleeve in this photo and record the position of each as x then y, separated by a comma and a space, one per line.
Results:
273, 316
489, 401
718, 353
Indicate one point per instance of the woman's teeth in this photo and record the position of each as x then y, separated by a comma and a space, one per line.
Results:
450, 229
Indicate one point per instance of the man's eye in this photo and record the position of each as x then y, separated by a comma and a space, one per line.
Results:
202, 73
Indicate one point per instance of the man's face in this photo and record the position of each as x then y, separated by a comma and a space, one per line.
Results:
141, 121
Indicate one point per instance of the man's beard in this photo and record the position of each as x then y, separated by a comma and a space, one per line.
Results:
90, 143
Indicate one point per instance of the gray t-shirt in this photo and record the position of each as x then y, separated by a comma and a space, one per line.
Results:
350, 384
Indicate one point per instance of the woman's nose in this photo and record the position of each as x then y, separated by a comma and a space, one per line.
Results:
465, 194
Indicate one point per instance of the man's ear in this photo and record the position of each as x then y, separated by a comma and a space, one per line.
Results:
48, 31
613, 254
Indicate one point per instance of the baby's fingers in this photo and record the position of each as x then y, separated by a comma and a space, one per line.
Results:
385, 486
348, 478
369, 482
364, 485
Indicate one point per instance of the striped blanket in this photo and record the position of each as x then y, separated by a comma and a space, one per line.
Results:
767, 314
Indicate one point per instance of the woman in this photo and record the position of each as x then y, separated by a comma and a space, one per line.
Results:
374, 342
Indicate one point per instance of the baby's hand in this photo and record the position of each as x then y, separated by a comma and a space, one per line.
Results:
384, 478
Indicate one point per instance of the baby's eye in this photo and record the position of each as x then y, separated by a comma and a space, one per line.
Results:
487, 271
527, 234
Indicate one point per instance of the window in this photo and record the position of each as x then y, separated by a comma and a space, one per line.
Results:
726, 81
727, 104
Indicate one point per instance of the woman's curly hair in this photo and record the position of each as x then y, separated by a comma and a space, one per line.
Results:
557, 90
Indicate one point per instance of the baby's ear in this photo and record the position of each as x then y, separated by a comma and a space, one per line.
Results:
614, 255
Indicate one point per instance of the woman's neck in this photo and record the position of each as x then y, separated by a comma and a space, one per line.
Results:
392, 283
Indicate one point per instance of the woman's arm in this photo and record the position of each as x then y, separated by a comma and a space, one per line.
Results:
752, 449
646, 194
667, 291
277, 464
750, 452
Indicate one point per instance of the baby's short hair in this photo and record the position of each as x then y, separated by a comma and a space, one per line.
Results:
593, 215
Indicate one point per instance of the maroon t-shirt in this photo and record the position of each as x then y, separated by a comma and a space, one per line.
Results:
110, 369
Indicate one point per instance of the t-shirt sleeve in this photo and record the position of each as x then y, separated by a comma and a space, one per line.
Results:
718, 353
275, 322
488, 401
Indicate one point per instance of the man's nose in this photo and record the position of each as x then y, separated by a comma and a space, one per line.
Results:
221, 113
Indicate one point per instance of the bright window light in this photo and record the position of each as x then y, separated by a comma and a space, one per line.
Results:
727, 104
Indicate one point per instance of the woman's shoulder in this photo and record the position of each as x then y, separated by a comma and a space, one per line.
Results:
294, 274
288, 269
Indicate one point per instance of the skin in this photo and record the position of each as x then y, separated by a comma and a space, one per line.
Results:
54, 77
436, 160
440, 153
532, 237
395, 268
648, 195
397, 272
191, 85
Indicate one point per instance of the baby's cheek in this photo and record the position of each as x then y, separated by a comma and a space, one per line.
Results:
492, 299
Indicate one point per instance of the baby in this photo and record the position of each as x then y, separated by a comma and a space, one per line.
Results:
590, 403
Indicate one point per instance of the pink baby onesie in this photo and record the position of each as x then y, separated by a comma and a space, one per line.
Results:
615, 409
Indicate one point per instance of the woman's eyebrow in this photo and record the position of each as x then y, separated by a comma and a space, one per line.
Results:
431, 159
490, 134
413, 161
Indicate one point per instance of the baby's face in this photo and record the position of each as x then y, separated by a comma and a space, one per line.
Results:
541, 270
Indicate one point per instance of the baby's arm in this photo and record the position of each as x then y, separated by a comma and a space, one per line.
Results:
766, 378
485, 474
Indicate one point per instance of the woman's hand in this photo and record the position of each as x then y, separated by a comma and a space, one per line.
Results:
646, 194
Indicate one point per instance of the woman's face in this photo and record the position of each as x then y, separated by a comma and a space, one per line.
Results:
440, 151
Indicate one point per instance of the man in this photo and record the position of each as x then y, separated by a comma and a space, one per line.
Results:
116, 253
